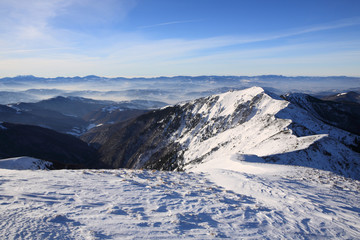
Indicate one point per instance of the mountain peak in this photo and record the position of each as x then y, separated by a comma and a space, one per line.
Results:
252, 91
249, 121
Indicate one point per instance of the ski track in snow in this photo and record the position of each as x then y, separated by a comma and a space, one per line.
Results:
277, 203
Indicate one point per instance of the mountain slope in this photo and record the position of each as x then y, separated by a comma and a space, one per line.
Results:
74, 115
63, 150
80, 107
347, 97
343, 115
71, 106
112, 114
250, 121
43, 118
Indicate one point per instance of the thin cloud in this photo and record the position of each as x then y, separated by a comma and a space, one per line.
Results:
33, 50
168, 23
173, 47
348, 22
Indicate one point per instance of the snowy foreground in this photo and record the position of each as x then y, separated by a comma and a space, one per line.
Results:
244, 200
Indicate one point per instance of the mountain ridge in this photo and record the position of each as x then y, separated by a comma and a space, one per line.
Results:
251, 121
344, 115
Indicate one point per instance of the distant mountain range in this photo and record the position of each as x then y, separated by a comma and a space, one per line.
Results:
165, 89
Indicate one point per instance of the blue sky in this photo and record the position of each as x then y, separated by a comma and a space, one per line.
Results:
166, 37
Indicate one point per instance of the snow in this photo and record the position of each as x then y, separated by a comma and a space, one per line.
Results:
77, 131
2, 127
111, 109
23, 163
228, 189
91, 125
236, 197
255, 122
318, 202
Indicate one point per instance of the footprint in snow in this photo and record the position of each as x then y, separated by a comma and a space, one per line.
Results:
117, 211
161, 209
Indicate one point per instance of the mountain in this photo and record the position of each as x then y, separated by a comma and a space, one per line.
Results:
71, 106
344, 115
229, 145
7, 97
64, 151
80, 107
43, 118
232, 125
347, 97
166, 89
74, 115
112, 114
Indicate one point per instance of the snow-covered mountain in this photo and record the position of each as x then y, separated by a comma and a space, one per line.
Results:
24, 163
230, 125
344, 115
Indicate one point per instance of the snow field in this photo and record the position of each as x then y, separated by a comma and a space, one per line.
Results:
124, 204
313, 204
250, 201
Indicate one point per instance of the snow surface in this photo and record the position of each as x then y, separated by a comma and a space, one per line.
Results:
250, 200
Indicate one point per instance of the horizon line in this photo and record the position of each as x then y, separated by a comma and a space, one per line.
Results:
173, 76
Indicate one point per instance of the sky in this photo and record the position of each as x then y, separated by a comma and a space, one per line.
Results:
130, 38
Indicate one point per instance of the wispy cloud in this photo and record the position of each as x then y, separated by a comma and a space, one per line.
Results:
347, 22
168, 49
39, 24
9, 51
33, 39
178, 48
169, 23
